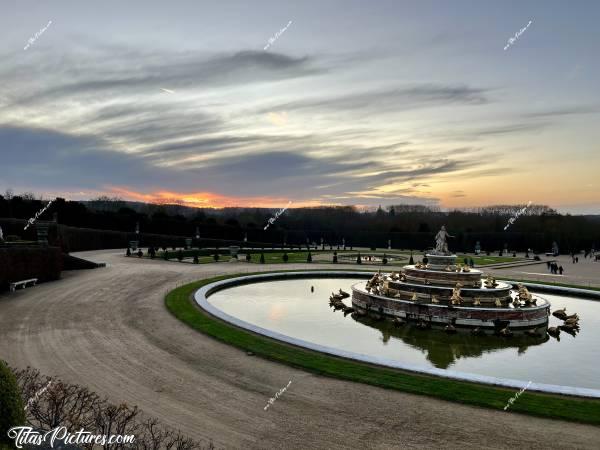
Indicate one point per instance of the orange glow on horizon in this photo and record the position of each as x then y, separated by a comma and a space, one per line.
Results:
209, 199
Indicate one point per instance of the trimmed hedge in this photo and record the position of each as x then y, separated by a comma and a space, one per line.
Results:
21, 263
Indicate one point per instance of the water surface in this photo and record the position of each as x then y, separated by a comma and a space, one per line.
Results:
289, 307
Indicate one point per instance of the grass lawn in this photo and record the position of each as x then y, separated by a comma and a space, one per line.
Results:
180, 303
277, 257
483, 260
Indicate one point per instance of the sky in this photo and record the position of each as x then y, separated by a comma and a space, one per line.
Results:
351, 103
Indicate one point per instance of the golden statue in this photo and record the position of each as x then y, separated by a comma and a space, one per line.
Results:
456, 298
490, 281
524, 294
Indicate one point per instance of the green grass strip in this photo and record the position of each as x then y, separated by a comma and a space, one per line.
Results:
181, 304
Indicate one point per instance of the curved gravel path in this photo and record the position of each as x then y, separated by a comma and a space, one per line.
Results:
108, 329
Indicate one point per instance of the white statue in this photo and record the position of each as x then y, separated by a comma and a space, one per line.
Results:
441, 246
1, 234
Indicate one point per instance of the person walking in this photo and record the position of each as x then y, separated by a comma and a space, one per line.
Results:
560, 269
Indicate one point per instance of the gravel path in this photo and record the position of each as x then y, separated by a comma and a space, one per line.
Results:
108, 329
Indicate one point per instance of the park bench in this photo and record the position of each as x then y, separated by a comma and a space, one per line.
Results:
23, 283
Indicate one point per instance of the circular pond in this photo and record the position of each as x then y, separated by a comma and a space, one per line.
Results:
289, 307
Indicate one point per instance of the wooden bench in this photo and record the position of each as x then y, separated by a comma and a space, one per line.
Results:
23, 283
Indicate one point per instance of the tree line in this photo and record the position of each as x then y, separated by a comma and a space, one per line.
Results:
407, 226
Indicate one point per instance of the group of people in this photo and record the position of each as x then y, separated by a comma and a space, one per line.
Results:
586, 253
554, 268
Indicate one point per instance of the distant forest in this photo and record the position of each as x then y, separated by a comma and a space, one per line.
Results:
407, 226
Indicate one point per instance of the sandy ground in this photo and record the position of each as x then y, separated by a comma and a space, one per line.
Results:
108, 329
585, 273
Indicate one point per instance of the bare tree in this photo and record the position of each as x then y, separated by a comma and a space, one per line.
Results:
112, 420
75, 407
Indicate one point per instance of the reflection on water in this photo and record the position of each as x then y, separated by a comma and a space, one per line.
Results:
443, 349
289, 307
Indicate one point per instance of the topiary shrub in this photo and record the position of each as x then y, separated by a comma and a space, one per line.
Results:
262, 258
140, 253
12, 410
309, 258
285, 257
358, 259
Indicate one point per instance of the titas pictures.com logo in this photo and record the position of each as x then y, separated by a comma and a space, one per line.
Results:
60, 435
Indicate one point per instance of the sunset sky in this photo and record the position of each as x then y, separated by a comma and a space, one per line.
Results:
356, 102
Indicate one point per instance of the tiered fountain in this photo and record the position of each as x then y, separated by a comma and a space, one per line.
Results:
438, 291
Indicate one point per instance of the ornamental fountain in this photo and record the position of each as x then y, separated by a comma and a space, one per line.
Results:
441, 292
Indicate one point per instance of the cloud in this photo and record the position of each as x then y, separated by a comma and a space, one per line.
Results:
398, 99
565, 111
120, 130
129, 72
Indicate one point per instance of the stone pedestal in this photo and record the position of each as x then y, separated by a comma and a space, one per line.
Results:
440, 262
